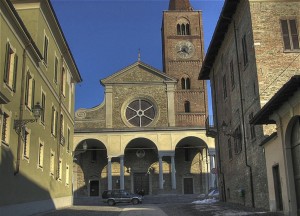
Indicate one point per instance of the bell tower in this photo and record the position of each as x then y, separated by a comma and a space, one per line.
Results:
183, 54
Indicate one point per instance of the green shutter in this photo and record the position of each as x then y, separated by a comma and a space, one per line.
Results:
6, 63
294, 34
56, 118
27, 89
32, 95
285, 34
14, 85
52, 120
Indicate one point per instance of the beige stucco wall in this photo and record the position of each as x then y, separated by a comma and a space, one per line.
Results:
277, 151
116, 142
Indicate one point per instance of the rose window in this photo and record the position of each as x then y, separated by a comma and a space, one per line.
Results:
140, 113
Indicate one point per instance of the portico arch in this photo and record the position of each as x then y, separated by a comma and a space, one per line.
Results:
292, 150
139, 154
90, 157
192, 165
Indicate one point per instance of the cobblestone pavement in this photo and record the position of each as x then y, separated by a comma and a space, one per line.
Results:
172, 205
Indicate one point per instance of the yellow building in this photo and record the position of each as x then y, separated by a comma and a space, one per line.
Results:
36, 67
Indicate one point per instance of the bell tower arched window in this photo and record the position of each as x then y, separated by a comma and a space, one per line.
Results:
183, 26
185, 83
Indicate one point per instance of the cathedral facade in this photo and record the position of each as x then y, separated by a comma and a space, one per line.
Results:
149, 133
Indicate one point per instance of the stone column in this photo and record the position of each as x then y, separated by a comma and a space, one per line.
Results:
212, 177
173, 172
109, 176
161, 174
122, 173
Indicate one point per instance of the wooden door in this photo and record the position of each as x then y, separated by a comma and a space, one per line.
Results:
277, 187
141, 183
94, 188
188, 186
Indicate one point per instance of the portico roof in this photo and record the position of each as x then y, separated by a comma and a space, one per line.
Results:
283, 95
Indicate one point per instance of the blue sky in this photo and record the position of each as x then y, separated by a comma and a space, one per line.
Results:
105, 36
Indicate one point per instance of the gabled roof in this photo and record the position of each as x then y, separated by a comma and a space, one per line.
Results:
180, 5
286, 91
224, 21
155, 72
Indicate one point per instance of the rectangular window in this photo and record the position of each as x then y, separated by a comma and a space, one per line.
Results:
59, 170
232, 74
54, 121
63, 81
67, 175
46, 44
237, 140
26, 148
290, 34
29, 91
5, 130
52, 157
69, 137
224, 87
62, 127
41, 155
55, 69
245, 51
10, 68
252, 127
43, 107
229, 149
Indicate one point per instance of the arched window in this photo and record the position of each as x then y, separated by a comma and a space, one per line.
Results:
183, 26
185, 83
187, 106
183, 29
178, 29
188, 29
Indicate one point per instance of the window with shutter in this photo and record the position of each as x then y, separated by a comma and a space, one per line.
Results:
10, 68
245, 51
290, 34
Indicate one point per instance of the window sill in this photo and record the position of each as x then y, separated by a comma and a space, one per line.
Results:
9, 88
4, 144
292, 51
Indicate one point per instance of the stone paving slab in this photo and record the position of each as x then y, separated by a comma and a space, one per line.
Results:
145, 210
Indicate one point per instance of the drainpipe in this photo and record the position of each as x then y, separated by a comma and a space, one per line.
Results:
218, 152
17, 168
243, 117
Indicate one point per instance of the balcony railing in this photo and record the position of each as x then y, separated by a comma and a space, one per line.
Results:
190, 119
211, 130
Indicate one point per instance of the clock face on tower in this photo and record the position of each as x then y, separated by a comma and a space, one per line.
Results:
184, 49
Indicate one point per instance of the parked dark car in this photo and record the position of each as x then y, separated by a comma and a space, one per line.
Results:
111, 197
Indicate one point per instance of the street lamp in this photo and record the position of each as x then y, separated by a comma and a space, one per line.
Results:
37, 111
236, 135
